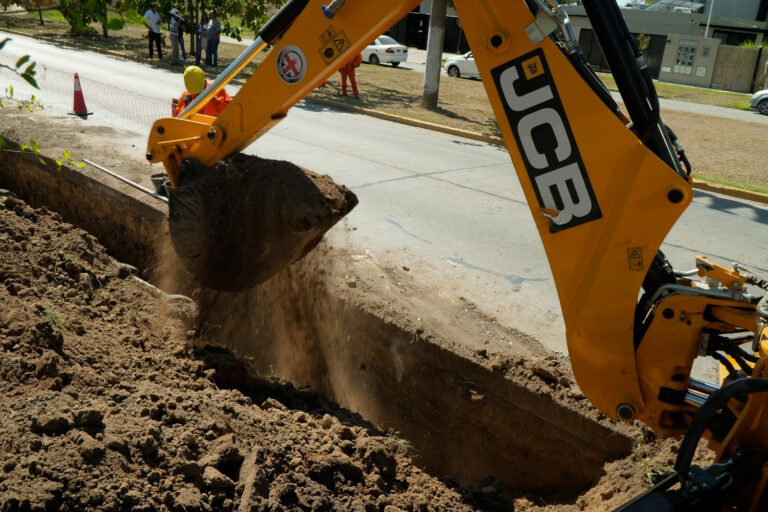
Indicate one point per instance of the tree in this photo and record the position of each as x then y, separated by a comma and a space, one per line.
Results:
435, 40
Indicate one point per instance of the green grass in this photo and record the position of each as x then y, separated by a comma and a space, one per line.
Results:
58, 320
719, 181
692, 94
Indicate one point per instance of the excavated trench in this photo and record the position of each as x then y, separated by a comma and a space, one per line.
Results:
466, 414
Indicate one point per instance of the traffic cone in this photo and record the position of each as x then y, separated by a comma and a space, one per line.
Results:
79, 108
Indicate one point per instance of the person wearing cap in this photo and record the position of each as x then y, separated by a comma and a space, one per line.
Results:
176, 28
194, 80
152, 23
212, 36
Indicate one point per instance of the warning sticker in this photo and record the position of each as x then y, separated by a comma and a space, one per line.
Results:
334, 44
291, 64
635, 257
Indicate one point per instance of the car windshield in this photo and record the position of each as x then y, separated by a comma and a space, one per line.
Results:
387, 40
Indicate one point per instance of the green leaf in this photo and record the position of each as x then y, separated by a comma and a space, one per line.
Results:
58, 162
41, 160
80, 164
66, 154
2, 142
2, 43
30, 80
23, 147
29, 107
34, 146
23, 60
115, 24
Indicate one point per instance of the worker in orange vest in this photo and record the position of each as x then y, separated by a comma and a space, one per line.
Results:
348, 70
194, 80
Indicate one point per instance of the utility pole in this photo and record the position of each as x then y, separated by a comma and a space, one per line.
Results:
709, 17
434, 53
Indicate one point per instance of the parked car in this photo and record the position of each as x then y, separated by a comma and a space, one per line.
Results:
462, 65
385, 50
759, 102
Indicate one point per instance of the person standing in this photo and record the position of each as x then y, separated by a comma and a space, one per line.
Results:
213, 34
153, 25
182, 26
174, 29
348, 71
202, 42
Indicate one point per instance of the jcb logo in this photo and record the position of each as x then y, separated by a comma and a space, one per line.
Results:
538, 121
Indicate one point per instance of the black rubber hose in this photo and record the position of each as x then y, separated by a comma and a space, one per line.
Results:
704, 416
280, 22
762, 307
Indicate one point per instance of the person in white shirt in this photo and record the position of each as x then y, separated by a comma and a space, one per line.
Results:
153, 25
176, 28
212, 36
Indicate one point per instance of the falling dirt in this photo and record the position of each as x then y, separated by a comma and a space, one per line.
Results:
235, 225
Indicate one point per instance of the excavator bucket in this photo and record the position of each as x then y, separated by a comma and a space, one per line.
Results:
236, 224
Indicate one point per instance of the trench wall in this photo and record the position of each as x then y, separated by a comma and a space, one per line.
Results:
462, 418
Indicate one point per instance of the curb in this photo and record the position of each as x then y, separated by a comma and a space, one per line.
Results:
411, 122
701, 185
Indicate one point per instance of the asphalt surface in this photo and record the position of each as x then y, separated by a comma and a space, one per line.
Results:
448, 208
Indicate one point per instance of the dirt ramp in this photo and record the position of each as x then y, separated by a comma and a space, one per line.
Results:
238, 223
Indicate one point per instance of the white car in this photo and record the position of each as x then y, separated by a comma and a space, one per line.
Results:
759, 102
462, 65
385, 50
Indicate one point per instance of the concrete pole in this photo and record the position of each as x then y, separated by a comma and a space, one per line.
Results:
434, 53
709, 17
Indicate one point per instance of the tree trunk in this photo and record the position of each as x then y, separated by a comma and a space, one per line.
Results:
434, 53
40, 12
104, 29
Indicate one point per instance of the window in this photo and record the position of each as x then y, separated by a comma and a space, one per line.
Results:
685, 54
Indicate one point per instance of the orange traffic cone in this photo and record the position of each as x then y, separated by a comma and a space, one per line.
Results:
79, 108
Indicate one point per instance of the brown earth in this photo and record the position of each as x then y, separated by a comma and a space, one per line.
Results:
105, 406
105, 403
236, 224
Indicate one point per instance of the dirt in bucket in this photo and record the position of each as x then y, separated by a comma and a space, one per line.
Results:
236, 224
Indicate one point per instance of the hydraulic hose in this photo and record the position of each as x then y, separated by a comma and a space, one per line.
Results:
703, 417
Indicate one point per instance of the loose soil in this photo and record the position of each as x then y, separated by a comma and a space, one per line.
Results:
104, 405
236, 224
112, 399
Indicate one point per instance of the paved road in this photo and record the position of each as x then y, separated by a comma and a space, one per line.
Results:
449, 208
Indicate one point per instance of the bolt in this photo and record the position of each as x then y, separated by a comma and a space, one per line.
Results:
736, 284
212, 133
161, 130
626, 411
150, 156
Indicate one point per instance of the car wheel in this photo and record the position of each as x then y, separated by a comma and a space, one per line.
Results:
395, 64
763, 107
373, 59
453, 71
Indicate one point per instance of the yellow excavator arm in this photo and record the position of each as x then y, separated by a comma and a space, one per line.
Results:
604, 189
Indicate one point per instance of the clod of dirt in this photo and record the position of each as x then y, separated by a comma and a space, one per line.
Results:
235, 225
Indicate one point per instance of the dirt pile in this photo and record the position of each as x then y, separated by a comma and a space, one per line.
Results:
236, 224
102, 407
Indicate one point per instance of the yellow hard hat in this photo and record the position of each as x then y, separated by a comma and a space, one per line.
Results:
194, 79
